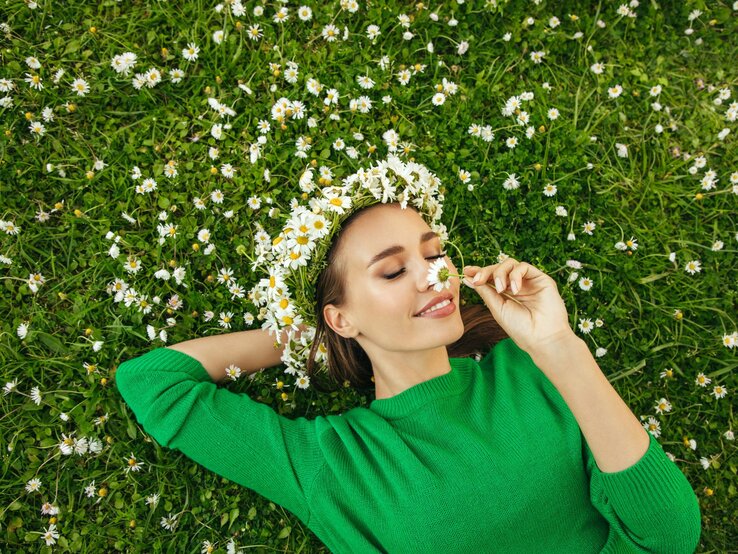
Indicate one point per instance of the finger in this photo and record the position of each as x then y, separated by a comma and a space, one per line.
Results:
471, 270
491, 299
516, 276
475, 274
501, 274
525, 271
468, 272
483, 275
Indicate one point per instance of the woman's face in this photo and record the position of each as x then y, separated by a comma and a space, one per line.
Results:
386, 290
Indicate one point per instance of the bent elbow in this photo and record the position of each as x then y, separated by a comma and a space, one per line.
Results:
684, 532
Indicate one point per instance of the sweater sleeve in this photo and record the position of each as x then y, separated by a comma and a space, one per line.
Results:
651, 505
245, 441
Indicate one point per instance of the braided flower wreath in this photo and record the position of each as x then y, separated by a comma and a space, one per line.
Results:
295, 258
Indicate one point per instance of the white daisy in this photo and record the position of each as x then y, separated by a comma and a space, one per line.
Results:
190, 52
80, 86
438, 99
692, 267
438, 275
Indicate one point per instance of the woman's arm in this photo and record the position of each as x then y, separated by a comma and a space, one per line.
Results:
633, 484
175, 400
250, 350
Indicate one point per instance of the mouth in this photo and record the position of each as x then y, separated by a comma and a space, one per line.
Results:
441, 306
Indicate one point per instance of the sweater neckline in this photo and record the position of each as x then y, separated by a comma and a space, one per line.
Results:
451, 383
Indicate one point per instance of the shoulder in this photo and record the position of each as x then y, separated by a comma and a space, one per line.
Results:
506, 360
505, 352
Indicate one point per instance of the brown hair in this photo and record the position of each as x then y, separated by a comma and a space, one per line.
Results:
346, 359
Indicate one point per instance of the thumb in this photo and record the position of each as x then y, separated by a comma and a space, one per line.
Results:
491, 298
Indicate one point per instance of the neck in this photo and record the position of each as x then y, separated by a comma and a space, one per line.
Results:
395, 372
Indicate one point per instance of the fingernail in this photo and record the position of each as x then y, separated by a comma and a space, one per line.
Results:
468, 283
476, 278
514, 287
498, 284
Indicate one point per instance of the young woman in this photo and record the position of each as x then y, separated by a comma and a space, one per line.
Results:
526, 449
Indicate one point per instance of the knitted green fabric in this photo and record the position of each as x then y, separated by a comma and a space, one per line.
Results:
485, 458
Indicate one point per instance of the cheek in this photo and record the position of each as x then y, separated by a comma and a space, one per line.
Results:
386, 302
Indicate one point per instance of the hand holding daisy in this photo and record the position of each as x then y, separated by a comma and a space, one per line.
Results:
535, 315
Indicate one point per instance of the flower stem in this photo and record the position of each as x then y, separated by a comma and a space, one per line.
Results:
460, 255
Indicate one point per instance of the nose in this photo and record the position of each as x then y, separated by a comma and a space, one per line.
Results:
422, 278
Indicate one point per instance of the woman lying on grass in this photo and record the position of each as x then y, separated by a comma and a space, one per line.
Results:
492, 426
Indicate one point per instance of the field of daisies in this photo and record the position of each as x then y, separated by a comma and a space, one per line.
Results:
147, 147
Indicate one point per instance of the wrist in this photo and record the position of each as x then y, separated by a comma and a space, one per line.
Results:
555, 352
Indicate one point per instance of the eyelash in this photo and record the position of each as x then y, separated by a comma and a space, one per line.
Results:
395, 275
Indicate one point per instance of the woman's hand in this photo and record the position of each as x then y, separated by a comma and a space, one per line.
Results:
534, 315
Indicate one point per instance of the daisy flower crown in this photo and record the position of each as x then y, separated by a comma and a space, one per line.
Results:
292, 261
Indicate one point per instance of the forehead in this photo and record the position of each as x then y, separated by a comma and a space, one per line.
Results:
380, 227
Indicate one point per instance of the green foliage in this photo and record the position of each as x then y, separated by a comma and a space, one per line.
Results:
653, 317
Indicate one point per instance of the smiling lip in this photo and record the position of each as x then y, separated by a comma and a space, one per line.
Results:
440, 313
436, 300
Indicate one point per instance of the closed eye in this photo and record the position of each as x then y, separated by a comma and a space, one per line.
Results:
394, 275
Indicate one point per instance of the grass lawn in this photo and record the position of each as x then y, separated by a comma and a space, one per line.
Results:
144, 143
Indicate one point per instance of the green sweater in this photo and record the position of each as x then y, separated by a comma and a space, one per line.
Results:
485, 458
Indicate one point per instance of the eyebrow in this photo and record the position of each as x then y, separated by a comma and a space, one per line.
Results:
396, 249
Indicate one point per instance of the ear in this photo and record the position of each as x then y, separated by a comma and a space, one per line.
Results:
337, 321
